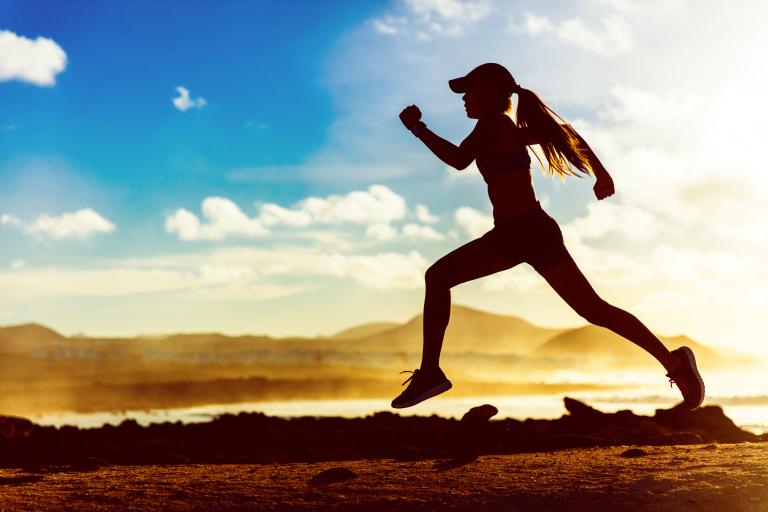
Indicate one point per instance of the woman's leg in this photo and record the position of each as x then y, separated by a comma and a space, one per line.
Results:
568, 281
473, 260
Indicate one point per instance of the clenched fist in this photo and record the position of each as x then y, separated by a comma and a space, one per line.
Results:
410, 116
603, 187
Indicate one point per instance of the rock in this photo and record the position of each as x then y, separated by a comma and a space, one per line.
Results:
481, 413
12, 427
710, 422
633, 452
332, 476
581, 411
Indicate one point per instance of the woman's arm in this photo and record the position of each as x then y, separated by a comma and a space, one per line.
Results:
604, 185
594, 163
458, 157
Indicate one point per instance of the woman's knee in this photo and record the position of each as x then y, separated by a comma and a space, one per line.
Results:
436, 277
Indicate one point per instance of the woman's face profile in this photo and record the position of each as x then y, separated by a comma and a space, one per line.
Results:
480, 101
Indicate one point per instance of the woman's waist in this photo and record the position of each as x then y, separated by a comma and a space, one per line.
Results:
518, 213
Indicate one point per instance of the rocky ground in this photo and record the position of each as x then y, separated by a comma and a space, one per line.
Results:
728, 478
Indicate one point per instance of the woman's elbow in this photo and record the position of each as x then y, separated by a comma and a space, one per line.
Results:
462, 164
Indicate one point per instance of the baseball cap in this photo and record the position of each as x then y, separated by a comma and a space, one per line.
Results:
485, 74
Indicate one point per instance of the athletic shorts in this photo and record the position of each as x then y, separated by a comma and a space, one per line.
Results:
532, 237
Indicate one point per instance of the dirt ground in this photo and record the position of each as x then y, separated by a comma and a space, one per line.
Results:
726, 478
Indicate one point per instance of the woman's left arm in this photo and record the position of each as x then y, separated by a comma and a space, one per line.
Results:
604, 185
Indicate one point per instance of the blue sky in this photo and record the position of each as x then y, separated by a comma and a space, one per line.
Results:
260, 66
284, 197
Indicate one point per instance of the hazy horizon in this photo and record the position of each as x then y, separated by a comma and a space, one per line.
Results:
416, 347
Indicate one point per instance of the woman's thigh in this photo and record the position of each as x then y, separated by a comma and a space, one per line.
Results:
479, 258
573, 287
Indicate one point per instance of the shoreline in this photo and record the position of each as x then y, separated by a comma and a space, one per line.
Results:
526, 407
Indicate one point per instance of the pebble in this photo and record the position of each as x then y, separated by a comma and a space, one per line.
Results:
332, 476
633, 452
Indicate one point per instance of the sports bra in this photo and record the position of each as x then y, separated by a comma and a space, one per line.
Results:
502, 162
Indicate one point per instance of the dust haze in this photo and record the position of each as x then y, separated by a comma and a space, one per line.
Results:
42, 371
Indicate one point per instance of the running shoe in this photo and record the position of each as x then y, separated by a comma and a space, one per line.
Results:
687, 378
423, 384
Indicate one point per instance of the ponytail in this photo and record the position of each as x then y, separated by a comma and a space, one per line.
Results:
560, 145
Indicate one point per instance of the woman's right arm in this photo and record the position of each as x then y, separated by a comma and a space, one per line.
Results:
458, 157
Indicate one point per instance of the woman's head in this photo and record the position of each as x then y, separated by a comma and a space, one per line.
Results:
488, 90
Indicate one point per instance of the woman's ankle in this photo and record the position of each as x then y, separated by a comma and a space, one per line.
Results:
672, 364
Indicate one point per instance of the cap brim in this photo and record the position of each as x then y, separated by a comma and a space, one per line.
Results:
458, 84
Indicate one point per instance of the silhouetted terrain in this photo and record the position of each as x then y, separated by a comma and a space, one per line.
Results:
256, 438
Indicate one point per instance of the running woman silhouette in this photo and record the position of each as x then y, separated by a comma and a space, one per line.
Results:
523, 231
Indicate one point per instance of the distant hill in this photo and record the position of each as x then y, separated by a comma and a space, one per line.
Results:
361, 331
380, 344
26, 336
469, 330
593, 342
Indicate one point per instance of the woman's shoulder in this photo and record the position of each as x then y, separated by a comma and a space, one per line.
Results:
499, 131
499, 120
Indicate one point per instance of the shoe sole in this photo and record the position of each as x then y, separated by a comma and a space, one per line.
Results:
692, 361
440, 388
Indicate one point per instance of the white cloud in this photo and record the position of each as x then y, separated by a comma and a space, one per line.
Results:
376, 207
273, 214
35, 61
670, 150
606, 218
424, 215
183, 102
424, 232
377, 204
81, 224
423, 19
536, 25
635, 7
223, 219
227, 273
520, 279
613, 38
389, 25
454, 10
18, 264
473, 222
10, 220
381, 231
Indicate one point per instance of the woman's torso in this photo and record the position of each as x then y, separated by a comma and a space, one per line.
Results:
504, 162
